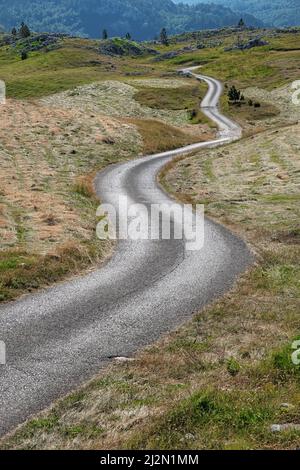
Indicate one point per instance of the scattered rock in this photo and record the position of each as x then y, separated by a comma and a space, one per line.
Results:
108, 141
51, 221
173, 54
167, 55
288, 30
287, 406
256, 42
54, 257
283, 176
122, 359
35, 42
134, 74
123, 47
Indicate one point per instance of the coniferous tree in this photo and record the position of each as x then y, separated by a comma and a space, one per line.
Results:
24, 30
241, 23
128, 36
234, 95
146, 17
164, 37
24, 55
104, 34
14, 32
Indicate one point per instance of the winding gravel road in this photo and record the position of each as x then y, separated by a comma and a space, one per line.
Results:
62, 336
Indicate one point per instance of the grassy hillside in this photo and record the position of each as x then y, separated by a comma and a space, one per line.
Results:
224, 379
273, 13
152, 105
143, 19
73, 63
61, 75
78, 61
50, 149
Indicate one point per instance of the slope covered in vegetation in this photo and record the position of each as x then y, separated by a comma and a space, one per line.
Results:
143, 19
276, 13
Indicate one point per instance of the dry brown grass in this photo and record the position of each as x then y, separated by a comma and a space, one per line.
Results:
159, 137
48, 160
267, 195
184, 97
116, 99
22, 271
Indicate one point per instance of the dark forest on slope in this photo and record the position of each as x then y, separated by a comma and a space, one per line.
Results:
143, 19
272, 12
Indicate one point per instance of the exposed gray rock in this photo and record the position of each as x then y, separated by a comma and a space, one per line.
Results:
167, 55
35, 42
124, 359
173, 54
287, 406
256, 42
118, 47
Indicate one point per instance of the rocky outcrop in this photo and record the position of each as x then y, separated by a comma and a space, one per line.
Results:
124, 47
256, 42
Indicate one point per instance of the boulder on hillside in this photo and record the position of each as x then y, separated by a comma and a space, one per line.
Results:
34, 42
256, 42
124, 47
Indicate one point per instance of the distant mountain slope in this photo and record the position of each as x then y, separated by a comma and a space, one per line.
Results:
272, 12
142, 18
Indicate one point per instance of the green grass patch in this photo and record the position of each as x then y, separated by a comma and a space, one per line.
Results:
46, 73
23, 272
182, 98
160, 137
209, 419
245, 113
170, 98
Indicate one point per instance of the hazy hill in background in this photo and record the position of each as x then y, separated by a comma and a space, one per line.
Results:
272, 12
143, 19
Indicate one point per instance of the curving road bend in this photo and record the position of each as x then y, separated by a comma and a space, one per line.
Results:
62, 336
